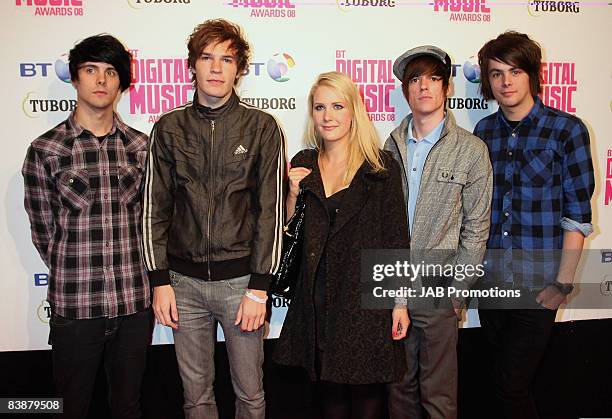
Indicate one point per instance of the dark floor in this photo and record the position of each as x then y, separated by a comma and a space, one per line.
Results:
573, 382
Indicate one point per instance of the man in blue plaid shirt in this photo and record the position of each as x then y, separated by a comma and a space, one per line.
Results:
542, 186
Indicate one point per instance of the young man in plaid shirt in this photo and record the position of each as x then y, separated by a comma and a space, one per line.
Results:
82, 182
543, 183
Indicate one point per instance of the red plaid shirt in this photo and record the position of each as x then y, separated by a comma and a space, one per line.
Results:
82, 195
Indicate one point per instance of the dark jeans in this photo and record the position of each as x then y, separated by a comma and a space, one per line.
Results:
518, 339
429, 387
78, 347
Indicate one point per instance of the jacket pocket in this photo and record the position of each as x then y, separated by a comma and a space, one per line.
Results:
73, 188
452, 177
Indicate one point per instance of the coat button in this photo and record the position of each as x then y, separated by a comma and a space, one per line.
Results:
312, 255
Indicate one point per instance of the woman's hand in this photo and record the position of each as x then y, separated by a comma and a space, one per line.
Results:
401, 321
296, 174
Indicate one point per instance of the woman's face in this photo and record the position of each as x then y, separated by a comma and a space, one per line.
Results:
331, 115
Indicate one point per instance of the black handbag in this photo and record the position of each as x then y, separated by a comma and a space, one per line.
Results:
284, 282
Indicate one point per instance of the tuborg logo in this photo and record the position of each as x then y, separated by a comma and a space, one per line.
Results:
537, 8
139, 4
44, 311
606, 286
346, 5
33, 106
278, 302
281, 103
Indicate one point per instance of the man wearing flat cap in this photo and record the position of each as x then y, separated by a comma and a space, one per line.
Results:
447, 186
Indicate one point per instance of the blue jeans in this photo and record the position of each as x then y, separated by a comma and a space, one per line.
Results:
200, 305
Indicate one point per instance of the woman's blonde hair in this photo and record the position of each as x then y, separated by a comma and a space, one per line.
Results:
364, 143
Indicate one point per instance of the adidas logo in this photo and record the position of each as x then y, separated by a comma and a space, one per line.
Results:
240, 150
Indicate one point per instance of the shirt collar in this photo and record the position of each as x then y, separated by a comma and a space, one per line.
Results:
216, 113
430, 138
77, 130
531, 118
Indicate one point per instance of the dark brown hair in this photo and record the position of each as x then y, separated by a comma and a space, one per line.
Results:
215, 31
426, 65
515, 49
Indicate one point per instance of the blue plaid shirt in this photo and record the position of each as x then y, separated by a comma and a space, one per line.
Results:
542, 181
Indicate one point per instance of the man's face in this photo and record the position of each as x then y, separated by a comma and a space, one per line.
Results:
216, 70
426, 96
98, 85
510, 86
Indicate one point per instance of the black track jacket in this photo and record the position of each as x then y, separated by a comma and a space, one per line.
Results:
213, 194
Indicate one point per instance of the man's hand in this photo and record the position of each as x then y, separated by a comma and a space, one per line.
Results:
251, 314
164, 306
401, 321
457, 307
550, 297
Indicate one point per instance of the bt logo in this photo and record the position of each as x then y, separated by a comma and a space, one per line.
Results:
62, 71
41, 280
278, 67
471, 70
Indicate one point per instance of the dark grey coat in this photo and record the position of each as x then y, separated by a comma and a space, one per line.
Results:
359, 347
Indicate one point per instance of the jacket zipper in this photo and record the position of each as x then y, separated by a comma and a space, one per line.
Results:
210, 195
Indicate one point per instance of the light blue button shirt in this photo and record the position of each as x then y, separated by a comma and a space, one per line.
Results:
417, 154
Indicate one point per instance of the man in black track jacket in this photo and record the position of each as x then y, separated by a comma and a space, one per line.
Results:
212, 222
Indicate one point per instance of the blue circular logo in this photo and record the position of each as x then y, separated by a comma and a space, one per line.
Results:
61, 68
471, 70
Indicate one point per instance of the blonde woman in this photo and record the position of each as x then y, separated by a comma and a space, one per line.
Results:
353, 194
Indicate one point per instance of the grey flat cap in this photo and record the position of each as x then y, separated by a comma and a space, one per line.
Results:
399, 66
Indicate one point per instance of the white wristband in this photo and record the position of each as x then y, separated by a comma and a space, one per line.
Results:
255, 298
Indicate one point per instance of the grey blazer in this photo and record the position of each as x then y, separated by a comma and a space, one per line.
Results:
454, 203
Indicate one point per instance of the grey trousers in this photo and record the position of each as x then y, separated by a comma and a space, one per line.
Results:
429, 387
200, 305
